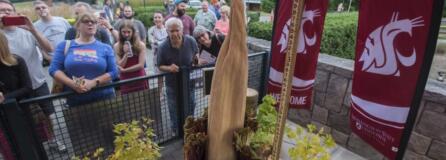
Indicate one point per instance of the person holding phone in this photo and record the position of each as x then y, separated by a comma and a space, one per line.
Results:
131, 56
52, 27
25, 41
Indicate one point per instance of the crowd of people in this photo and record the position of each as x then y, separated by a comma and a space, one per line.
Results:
102, 47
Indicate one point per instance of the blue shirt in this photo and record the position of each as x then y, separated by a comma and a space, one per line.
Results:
88, 60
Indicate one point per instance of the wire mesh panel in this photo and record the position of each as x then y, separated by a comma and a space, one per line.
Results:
79, 130
256, 74
67, 128
198, 98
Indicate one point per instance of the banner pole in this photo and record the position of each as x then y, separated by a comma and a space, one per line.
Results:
425, 68
288, 72
270, 54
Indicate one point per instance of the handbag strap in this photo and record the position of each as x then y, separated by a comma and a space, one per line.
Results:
67, 46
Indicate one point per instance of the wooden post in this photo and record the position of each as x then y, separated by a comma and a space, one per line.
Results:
290, 63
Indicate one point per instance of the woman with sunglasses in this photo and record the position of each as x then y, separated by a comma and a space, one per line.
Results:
84, 63
131, 56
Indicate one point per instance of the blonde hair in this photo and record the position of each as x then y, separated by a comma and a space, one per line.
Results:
79, 19
226, 9
5, 55
87, 15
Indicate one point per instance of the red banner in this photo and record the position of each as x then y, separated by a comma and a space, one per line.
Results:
309, 40
390, 49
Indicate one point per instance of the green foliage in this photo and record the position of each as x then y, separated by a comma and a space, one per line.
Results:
338, 38
147, 3
146, 18
339, 35
133, 141
267, 115
310, 144
267, 119
267, 5
257, 144
145, 14
253, 16
139, 10
333, 5
262, 30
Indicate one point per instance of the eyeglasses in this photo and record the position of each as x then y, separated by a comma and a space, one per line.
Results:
86, 21
40, 8
4, 10
200, 35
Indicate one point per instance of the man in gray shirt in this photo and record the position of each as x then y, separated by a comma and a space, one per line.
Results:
23, 41
175, 53
205, 17
52, 27
140, 29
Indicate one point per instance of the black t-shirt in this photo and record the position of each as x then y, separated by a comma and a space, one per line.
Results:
15, 81
182, 57
216, 42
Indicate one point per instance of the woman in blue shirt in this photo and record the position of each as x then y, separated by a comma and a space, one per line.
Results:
85, 64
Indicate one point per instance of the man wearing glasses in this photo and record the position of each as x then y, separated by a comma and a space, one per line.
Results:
52, 27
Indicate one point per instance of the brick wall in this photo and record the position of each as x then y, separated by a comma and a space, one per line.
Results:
331, 105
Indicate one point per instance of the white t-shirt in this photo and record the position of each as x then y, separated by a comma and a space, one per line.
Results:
22, 43
53, 30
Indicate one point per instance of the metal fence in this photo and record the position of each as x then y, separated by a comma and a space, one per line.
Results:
78, 130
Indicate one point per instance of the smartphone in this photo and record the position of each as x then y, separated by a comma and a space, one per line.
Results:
130, 53
102, 14
13, 20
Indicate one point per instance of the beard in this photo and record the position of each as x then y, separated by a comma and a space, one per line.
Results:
180, 12
176, 41
128, 17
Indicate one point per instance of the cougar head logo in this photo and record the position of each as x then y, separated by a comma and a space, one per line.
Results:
380, 55
304, 39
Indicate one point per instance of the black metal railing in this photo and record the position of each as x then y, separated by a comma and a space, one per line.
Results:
77, 130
